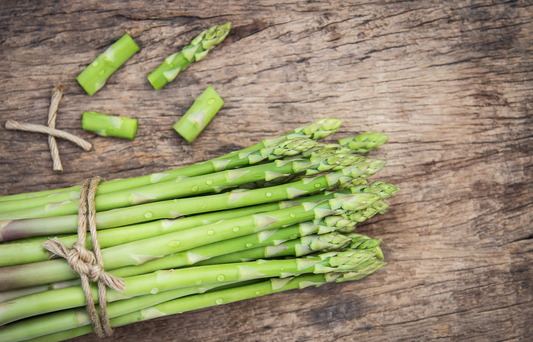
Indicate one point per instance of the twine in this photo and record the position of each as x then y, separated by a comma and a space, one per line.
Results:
86, 263
15, 125
51, 130
57, 93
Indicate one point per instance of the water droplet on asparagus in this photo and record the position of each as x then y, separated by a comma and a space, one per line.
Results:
148, 214
292, 215
194, 188
236, 229
221, 277
154, 290
258, 292
317, 185
268, 194
171, 65
210, 232
95, 63
209, 182
102, 72
174, 243
219, 301
249, 245
211, 101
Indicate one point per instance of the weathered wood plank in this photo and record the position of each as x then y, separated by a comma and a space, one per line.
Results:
451, 83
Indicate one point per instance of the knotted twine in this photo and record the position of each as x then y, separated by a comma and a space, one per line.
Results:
57, 93
86, 263
52, 132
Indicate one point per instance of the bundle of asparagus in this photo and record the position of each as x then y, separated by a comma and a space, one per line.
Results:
276, 216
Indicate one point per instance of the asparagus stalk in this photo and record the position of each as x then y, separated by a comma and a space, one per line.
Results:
197, 50
164, 280
204, 108
114, 309
318, 130
365, 142
297, 247
285, 148
184, 304
194, 205
184, 187
95, 75
34, 252
238, 248
109, 125
139, 252
195, 256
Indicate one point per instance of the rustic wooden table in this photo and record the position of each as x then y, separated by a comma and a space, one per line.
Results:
451, 83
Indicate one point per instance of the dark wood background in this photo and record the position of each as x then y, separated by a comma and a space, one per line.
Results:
451, 82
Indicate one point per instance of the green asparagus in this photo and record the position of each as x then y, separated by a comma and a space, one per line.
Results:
316, 131
93, 78
194, 52
204, 108
109, 125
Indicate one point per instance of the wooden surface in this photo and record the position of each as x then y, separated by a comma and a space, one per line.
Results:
451, 83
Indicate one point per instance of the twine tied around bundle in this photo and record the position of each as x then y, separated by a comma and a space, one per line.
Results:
86, 263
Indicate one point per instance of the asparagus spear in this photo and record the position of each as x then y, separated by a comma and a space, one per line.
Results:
316, 131
204, 108
241, 247
297, 247
164, 280
33, 252
113, 309
95, 75
188, 206
109, 125
285, 148
365, 142
197, 50
189, 186
238, 248
139, 252
194, 256
184, 304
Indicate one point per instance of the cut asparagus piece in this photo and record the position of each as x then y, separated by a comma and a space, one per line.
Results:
316, 131
204, 108
198, 49
109, 125
93, 78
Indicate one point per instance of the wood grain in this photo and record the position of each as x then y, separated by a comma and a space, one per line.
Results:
450, 81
